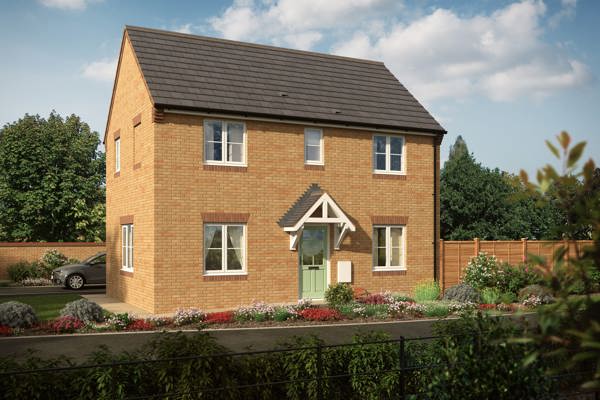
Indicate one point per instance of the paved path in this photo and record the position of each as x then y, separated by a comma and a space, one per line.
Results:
48, 290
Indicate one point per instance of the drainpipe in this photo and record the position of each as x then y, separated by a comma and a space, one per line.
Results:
436, 140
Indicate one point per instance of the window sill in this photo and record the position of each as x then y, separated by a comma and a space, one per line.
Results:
225, 167
225, 277
126, 272
389, 175
388, 272
385, 269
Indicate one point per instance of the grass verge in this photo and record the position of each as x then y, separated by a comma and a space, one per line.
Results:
46, 307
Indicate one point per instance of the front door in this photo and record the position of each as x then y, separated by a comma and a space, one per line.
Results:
313, 259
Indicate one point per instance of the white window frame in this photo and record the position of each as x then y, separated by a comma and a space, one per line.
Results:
388, 158
224, 270
127, 247
118, 155
388, 249
321, 160
224, 142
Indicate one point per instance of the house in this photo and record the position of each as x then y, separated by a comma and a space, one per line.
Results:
240, 172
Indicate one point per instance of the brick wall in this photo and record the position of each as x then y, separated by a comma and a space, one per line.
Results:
130, 193
11, 253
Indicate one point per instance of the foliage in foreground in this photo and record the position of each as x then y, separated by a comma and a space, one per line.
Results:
570, 325
465, 368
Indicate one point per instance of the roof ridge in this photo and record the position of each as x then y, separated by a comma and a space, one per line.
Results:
248, 44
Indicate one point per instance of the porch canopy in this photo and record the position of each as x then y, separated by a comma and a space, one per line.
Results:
315, 206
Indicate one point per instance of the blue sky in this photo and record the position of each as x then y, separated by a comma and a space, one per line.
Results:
506, 75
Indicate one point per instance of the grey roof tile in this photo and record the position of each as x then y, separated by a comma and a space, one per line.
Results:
216, 75
301, 206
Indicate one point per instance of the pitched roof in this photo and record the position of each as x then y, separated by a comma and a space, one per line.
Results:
216, 75
301, 206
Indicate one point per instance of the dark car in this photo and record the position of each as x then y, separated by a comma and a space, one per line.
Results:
92, 270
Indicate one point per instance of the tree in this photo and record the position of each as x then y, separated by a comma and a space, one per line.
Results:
489, 204
51, 180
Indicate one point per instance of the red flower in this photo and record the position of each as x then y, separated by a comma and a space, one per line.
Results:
219, 317
320, 314
67, 324
359, 292
373, 299
487, 306
5, 330
139, 325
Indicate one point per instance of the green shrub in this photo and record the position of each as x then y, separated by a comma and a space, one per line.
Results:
348, 310
481, 271
427, 291
376, 310
514, 278
17, 315
508, 298
462, 293
53, 259
490, 295
282, 314
436, 309
23, 270
538, 291
84, 310
338, 294
402, 297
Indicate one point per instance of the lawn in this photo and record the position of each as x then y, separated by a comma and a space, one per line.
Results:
46, 307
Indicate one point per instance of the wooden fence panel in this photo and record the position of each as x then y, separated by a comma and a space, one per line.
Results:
455, 255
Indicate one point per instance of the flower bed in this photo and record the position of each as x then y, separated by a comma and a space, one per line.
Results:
364, 307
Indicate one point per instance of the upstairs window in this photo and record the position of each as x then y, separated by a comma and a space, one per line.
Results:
117, 155
313, 146
224, 142
387, 154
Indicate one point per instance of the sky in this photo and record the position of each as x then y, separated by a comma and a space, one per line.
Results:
506, 75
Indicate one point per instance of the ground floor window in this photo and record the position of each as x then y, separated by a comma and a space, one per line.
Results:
389, 247
127, 247
224, 248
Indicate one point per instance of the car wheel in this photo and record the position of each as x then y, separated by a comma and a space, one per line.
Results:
75, 282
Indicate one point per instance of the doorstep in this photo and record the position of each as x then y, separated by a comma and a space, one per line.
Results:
116, 306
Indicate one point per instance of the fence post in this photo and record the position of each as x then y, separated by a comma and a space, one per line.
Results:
402, 366
320, 392
524, 246
442, 266
476, 246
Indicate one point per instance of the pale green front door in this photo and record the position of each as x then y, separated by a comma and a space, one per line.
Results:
313, 262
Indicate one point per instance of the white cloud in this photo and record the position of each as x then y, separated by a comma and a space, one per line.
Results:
502, 55
185, 28
299, 24
103, 70
567, 11
68, 4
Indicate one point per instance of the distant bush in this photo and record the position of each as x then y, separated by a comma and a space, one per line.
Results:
463, 293
17, 315
25, 270
436, 310
538, 291
481, 271
186, 316
338, 294
84, 310
508, 298
427, 291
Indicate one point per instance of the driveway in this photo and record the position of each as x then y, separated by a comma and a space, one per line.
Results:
48, 290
